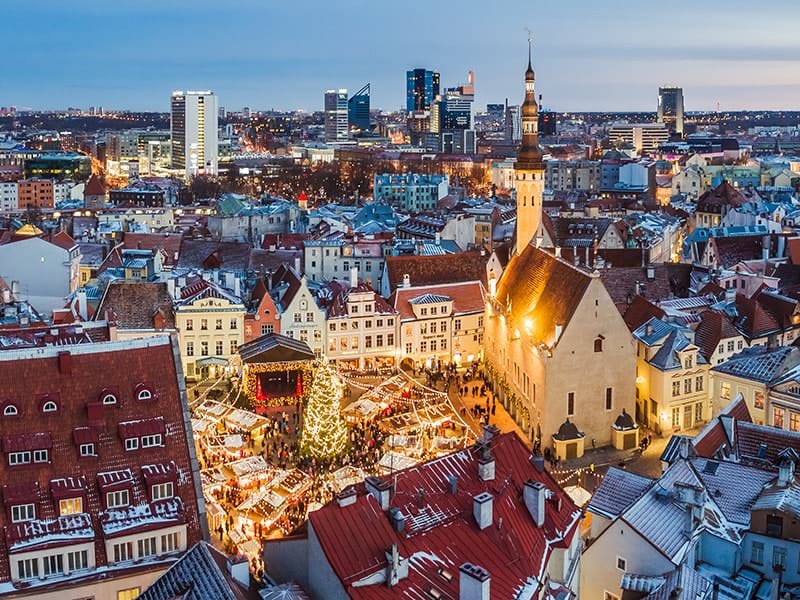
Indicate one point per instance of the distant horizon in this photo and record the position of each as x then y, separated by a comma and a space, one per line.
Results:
589, 57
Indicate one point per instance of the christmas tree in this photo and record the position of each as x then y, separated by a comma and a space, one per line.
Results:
324, 431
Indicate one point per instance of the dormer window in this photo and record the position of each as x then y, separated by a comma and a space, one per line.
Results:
10, 410
109, 399
23, 512
49, 407
144, 394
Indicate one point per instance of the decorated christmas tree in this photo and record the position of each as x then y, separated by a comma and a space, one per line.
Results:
324, 431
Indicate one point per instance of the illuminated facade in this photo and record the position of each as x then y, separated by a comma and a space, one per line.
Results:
336, 115
194, 133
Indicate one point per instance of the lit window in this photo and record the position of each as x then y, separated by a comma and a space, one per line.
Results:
70, 506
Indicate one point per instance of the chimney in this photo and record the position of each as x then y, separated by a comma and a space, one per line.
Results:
354, 277
786, 472
239, 568
297, 264
558, 252
538, 463
15, 290
651, 271
452, 484
482, 509
379, 490
346, 497
533, 494
406, 280
65, 363
171, 288
83, 305
438, 238
269, 279
486, 466
473, 582
398, 520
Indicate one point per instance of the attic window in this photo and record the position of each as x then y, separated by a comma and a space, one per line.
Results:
49, 406
434, 593
445, 574
10, 410
144, 394
711, 467
109, 399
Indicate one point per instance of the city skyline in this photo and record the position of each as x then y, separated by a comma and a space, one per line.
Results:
286, 61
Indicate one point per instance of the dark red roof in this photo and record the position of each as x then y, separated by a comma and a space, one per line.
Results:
639, 311
430, 270
95, 187
77, 376
440, 530
714, 436
724, 195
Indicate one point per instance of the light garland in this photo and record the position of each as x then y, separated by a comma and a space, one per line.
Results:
250, 383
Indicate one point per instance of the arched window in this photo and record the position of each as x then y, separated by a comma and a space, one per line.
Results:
49, 406
10, 410
598, 344
144, 394
109, 399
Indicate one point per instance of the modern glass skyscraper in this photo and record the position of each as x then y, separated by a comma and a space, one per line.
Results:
670, 108
194, 135
358, 110
336, 115
422, 87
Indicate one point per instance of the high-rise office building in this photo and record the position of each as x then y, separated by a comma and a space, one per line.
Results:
455, 118
670, 108
358, 110
194, 135
512, 124
422, 87
336, 115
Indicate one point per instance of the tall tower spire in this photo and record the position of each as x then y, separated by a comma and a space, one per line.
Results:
529, 168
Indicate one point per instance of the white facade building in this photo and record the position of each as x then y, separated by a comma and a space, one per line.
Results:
194, 132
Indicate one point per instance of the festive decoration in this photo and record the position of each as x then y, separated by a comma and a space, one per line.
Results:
258, 396
324, 431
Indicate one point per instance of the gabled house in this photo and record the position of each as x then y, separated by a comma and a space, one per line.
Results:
262, 315
138, 309
301, 318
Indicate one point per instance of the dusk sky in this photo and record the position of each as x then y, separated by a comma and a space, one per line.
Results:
588, 54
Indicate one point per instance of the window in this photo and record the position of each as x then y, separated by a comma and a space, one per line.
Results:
622, 564
676, 418
676, 388
653, 407
19, 458
687, 362
443, 326
457, 324
794, 421
28, 568
390, 339
234, 324
778, 417
423, 311
234, 346
687, 386
480, 321
189, 325
169, 542
53, 564
87, 450
10, 410
298, 317
433, 327
189, 348
109, 399
725, 391
131, 444
218, 348
117, 499
41, 456
730, 346
368, 324
343, 326
203, 348
443, 344
757, 553
309, 317
122, 552
390, 323
775, 525
147, 547
49, 406
265, 329
698, 412
218, 324
144, 395
570, 404
23, 512
78, 560
739, 345
409, 348
203, 324
149, 441
379, 340
161, 491
698, 383
368, 341
70, 506
598, 344
609, 398
423, 346
758, 399
433, 345
778, 557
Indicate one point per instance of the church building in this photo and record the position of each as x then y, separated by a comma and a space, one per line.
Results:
559, 355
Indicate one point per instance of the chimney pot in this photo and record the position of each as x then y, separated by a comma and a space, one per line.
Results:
482, 506
533, 494
474, 582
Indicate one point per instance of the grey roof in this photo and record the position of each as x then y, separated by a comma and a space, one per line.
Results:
667, 356
653, 331
691, 585
200, 574
274, 347
429, 299
618, 490
734, 487
759, 363
234, 256
785, 499
641, 583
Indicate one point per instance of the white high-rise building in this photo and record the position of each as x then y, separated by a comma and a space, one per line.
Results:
336, 122
194, 132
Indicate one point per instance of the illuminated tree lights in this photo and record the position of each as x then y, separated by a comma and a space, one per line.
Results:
324, 430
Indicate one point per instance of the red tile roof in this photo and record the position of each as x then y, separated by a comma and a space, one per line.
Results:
714, 326
168, 243
714, 437
724, 195
74, 376
137, 305
430, 270
467, 297
95, 187
440, 529
639, 311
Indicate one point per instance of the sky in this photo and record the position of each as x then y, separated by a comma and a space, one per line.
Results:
603, 55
